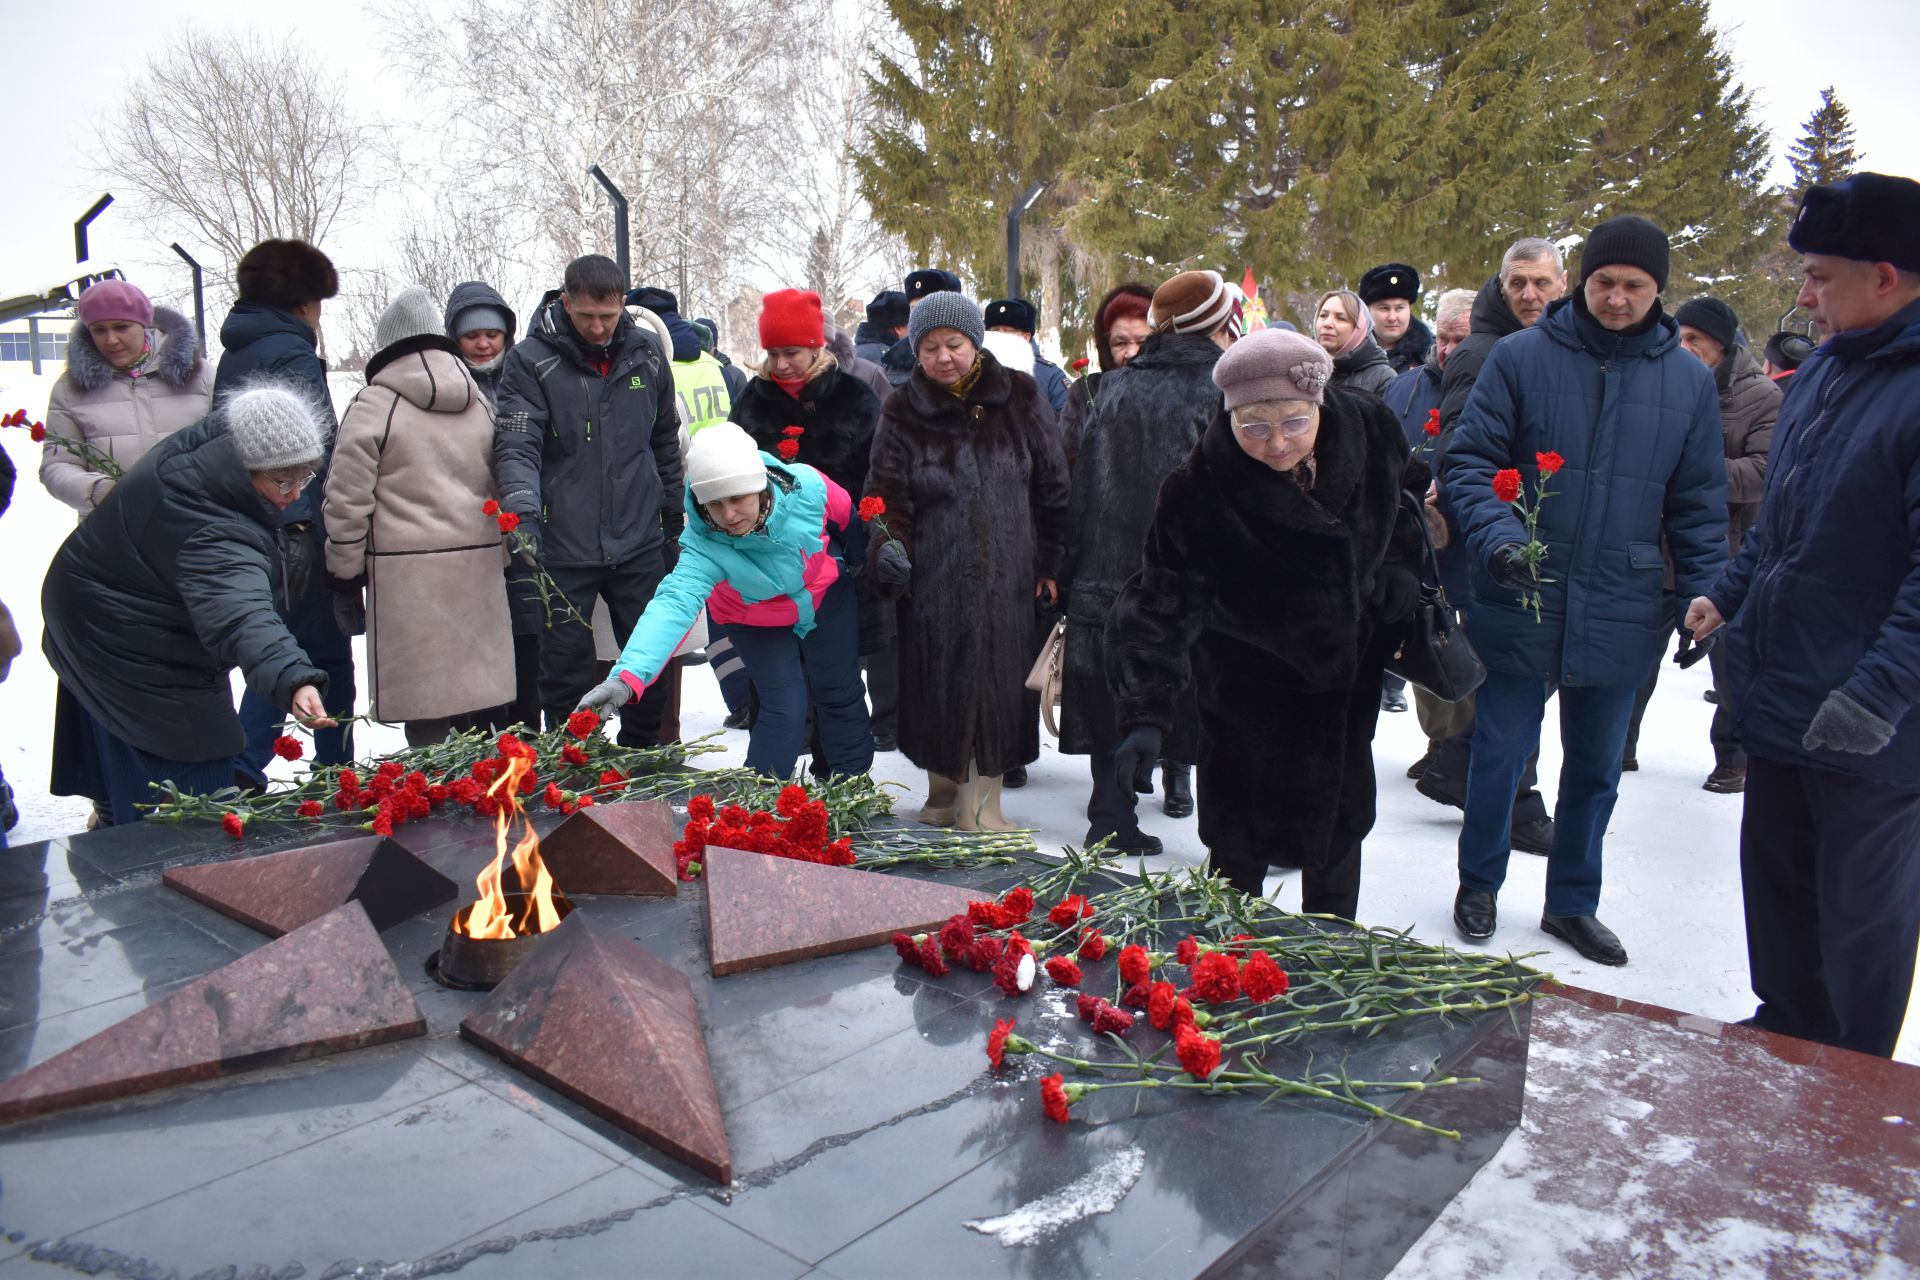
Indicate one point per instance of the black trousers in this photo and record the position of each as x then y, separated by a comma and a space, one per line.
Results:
1452, 759
1332, 890
1726, 743
1830, 872
1110, 809
568, 668
883, 688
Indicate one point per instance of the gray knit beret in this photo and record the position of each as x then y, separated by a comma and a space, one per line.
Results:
274, 427
945, 311
1273, 364
411, 314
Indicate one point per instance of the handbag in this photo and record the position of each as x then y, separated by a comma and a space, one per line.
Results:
1045, 677
1434, 654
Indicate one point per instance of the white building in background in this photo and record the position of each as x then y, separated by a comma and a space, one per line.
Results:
37, 343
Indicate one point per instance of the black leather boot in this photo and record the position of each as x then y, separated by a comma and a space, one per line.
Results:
1176, 789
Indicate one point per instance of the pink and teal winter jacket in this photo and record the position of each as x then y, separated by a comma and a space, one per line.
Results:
775, 576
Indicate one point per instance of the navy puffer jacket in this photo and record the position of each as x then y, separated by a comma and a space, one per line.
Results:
1825, 593
1637, 421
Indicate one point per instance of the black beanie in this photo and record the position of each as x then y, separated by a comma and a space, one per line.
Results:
1627, 241
1711, 317
1869, 217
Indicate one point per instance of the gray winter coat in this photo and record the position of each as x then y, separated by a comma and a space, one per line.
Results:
589, 459
1749, 403
121, 415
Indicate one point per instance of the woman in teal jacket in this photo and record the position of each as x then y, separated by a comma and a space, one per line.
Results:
760, 551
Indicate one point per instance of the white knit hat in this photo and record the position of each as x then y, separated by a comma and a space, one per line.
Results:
723, 462
274, 427
411, 314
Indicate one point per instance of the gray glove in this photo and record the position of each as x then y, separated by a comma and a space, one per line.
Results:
607, 697
1508, 566
892, 568
1842, 724
349, 614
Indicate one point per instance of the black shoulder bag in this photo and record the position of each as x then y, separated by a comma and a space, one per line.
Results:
1434, 654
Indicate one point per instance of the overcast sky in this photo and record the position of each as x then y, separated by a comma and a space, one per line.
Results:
63, 64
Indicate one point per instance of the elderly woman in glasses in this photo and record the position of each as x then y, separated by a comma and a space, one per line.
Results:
1277, 574
171, 583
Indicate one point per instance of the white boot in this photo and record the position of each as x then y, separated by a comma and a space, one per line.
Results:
979, 804
942, 806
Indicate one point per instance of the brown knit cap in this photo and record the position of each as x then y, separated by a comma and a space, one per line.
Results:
1192, 302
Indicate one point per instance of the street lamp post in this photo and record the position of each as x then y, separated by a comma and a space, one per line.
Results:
94, 210
1018, 211
621, 254
199, 296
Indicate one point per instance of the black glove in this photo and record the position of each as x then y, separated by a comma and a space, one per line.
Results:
1509, 567
891, 567
525, 542
349, 614
1133, 759
1395, 592
1842, 724
297, 557
1690, 650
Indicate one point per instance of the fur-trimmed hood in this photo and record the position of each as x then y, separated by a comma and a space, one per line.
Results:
176, 361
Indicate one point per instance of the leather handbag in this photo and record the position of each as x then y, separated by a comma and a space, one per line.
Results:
1434, 653
1045, 677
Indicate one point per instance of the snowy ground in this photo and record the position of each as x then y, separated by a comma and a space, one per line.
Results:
1672, 868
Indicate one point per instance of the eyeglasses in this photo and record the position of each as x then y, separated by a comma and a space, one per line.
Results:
285, 487
1261, 428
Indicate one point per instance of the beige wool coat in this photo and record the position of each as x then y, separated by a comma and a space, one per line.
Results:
412, 467
119, 414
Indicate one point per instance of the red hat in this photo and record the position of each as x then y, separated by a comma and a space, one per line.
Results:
791, 318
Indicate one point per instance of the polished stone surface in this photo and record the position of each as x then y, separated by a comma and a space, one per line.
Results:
324, 988
596, 1017
276, 893
624, 848
863, 1124
764, 911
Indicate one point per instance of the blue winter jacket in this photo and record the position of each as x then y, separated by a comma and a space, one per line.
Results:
1411, 396
775, 576
1637, 421
1825, 593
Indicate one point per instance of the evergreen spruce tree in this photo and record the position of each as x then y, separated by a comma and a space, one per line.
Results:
1824, 152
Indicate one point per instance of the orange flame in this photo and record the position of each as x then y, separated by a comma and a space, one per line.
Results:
489, 917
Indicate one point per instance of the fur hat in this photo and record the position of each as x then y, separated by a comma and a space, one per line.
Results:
1869, 217
115, 300
659, 301
273, 427
1626, 241
889, 308
1011, 350
1390, 280
285, 274
792, 318
1786, 350
928, 281
1192, 302
1016, 313
1273, 364
1711, 317
945, 310
723, 462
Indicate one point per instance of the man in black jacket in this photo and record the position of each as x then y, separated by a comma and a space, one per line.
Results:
586, 452
1390, 291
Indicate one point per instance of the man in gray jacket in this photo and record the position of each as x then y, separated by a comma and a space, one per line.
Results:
587, 454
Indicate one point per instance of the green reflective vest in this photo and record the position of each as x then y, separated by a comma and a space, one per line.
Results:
701, 389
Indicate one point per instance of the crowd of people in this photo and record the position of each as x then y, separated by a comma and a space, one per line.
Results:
870, 536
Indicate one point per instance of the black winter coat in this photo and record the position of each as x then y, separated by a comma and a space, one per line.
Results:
473, 293
976, 489
171, 583
1413, 348
1365, 368
1492, 319
1151, 414
1260, 593
871, 340
591, 459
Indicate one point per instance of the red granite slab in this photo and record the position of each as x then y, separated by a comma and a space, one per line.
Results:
595, 1017
624, 848
277, 893
325, 987
764, 911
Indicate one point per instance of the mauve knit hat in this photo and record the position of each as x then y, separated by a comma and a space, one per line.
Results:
275, 427
115, 300
1626, 241
411, 314
1273, 364
945, 310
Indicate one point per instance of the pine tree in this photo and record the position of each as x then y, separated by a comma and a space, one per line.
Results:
1824, 152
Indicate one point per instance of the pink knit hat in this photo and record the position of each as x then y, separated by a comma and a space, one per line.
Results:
115, 300
1273, 364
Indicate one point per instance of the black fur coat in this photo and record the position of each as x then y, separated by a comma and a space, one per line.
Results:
976, 489
1148, 418
1261, 592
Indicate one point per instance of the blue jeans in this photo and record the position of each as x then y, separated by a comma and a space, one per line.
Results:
128, 773
1506, 730
787, 671
311, 622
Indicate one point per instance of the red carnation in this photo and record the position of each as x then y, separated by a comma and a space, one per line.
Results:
985, 954
574, 755
1087, 1006
1506, 485
1261, 978
1216, 979
1080, 365
788, 449
1137, 995
1019, 902
554, 795
1069, 909
490, 508
1548, 462
956, 938
700, 808
1182, 1013
1108, 1020
1053, 1096
1160, 998
907, 949
793, 433
1063, 971
872, 507
930, 958
613, 778
37, 432
1199, 1055
1093, 946
581, 724
234, 825
288, 748
1134, 965
507, 521
1432, 427
997, 1041
311, 809
383, 825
